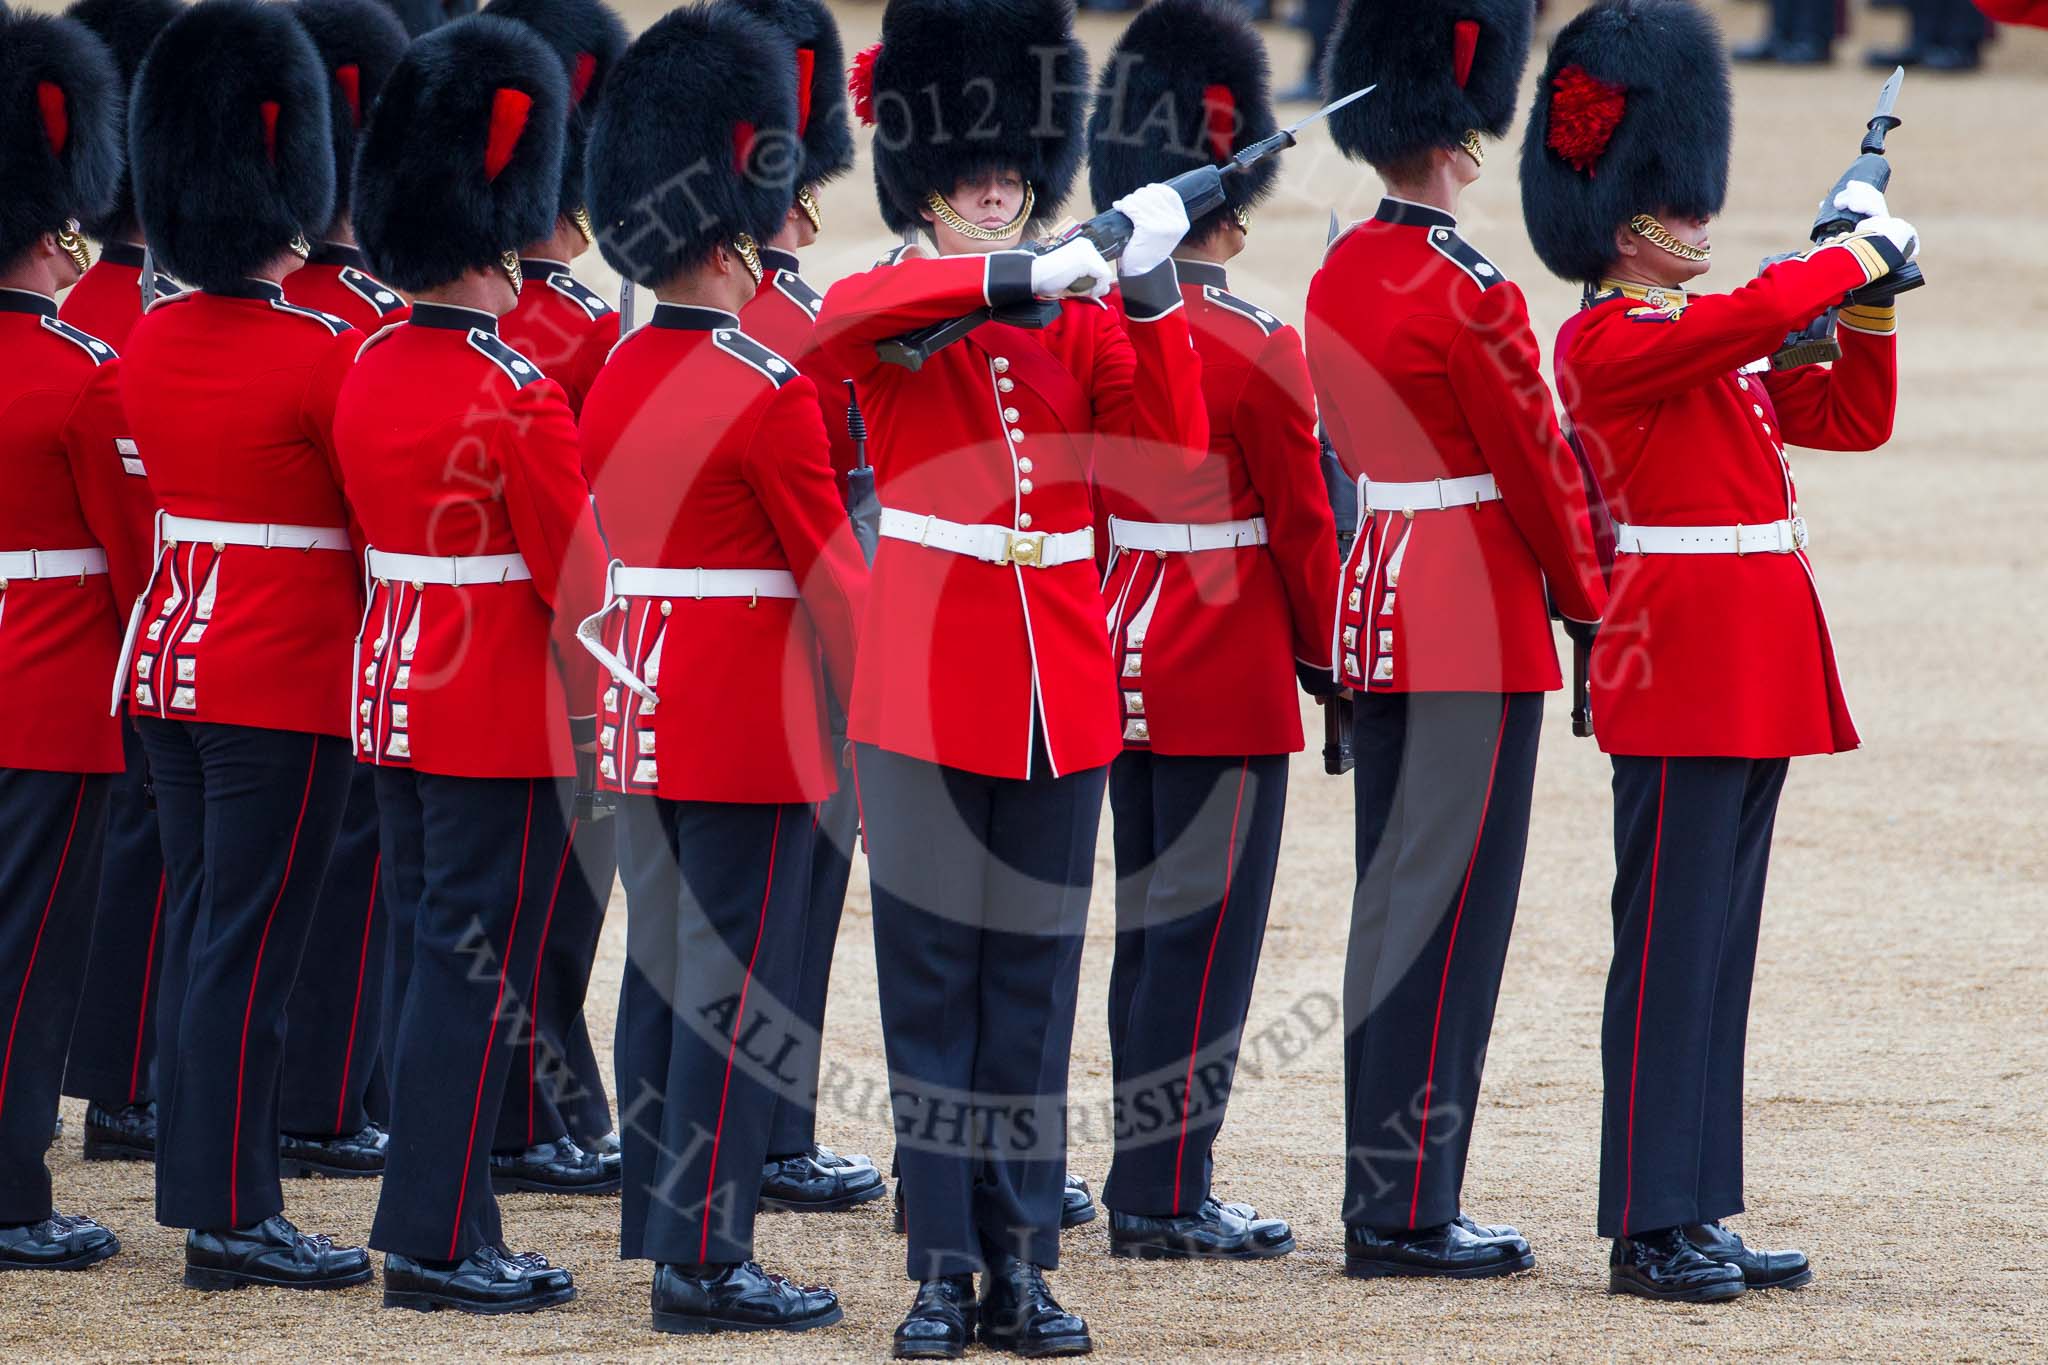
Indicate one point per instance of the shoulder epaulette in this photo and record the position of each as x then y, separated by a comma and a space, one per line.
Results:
1466, 257
372, 291
99, 350
582, 295
742, 347
164, 287
335, 326
517, 367
798, 291
1264, 320
897, 254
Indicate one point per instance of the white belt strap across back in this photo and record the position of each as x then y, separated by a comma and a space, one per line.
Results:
1429, 495
624, 582
991, 544
261, 534
1765, 538
1180, 537
33, 564
451, 571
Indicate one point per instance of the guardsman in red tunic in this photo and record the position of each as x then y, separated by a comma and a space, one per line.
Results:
468, 690
555, 1131
60, 420
733, 571
563, 324
1472, 512
237, 654
1219, 580
334, 1021
985, 707
112, 1064
802, 1176
1714, 666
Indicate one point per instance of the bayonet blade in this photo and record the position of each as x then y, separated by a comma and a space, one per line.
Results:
1332, 107
1888, 98
1331, 235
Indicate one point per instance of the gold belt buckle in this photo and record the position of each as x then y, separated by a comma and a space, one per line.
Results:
1026, 548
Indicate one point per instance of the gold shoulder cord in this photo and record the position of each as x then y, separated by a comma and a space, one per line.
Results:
945, 213
1657, 235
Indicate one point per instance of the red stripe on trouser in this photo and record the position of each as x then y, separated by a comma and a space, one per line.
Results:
533, 999
739, 1014
291, 853
1202, 998
1642, 989
1444, 983
21, 997
491, 1038
156, 919
355, 1013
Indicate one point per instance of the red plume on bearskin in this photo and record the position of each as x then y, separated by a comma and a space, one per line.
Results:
587, 37
822, 126
127, 27
860, 83
359, 42
1464, 47
509, 112
1443, 67
1584, 112
60, 107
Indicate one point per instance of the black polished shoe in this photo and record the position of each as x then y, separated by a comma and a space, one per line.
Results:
1783, 52
486, 1281
738, 1297
825, 1156
558, 1167
60, 1242
124, 1134
1760, 1269
351, 1156
1664, 1265
940, 1323
1448, 1251
1019, 1314
1077, 1206
1951, 59
1884, 59
272, 1253
803, 1184
1213, 1232
1488, 1231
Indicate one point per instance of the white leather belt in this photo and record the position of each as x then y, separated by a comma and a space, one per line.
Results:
627, 581
262, 534
454, 571
31, 564
1181, 537
1766, 538
1430, 495
991, 544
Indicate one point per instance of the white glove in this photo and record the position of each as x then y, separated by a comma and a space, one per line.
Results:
1861, 200
1897, 231
1073, 267
1158, 221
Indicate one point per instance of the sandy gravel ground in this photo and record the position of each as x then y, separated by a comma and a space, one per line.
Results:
1898, 1059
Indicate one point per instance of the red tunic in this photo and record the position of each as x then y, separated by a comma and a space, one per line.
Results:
705, 451
1717, 654
231, 400
963, 661
562, 325
60, 419
783, 316
1205, 640
336, 279
107, 300
453, 444
1427, 369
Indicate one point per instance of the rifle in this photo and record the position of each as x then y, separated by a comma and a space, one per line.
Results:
1201, 190
1338, 757
1602, 518
863, 508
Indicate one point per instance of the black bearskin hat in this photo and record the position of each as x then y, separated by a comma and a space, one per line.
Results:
462, 161
695, 142
229, 140
359, 43
821, 114
1633, 115
1444, 68
588, 38
60, 145
1185, 86
424, 16
127, 27
1010, 79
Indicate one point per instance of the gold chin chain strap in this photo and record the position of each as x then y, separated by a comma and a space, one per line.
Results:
72, 242
808, 202
580, 216
1473, 147
749, 254
508, 261
299, 246
1657, 235
946, 214
1243, 216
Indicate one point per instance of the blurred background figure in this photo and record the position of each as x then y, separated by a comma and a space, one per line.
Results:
1945, 35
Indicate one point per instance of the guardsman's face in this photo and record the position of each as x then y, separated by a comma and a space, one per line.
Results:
988, 201
1643, 260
